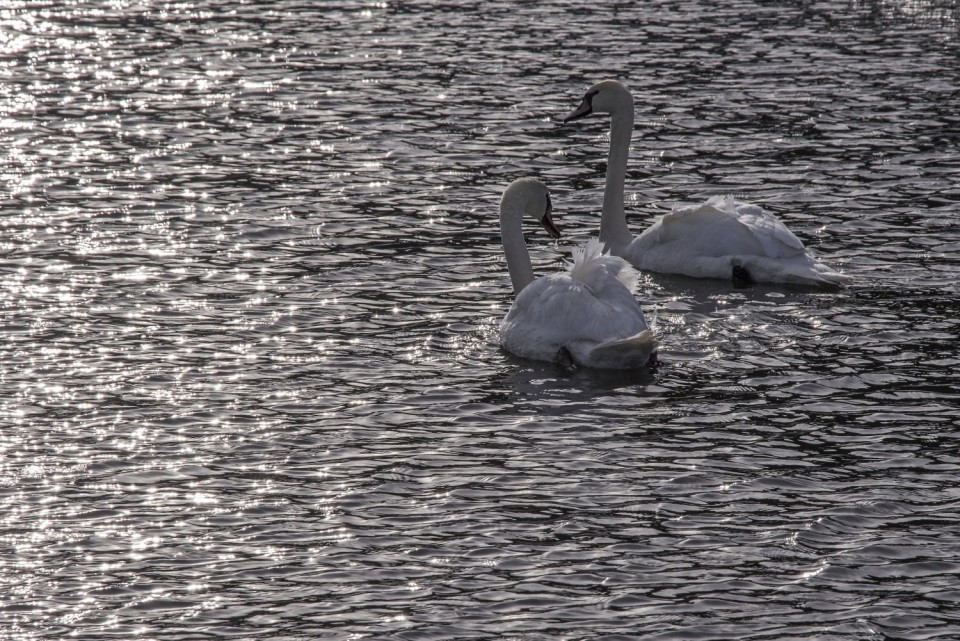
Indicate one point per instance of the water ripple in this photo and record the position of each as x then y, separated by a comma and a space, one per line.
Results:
252, 281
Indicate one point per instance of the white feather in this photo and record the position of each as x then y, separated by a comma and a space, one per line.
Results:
707, 240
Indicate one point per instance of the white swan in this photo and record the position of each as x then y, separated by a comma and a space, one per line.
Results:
721, 238
587, 315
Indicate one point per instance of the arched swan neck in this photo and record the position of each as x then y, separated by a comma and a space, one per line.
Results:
613, 222
514, 246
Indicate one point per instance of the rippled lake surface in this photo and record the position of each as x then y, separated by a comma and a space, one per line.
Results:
250, 383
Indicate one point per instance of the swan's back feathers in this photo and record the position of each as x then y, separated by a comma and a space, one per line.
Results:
597, 269
559, 306
776, 239
589, 310
709, 239
724, 226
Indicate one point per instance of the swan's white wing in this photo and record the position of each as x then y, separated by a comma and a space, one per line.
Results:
553, 311
723, 227
707, 240
776, 240
599, 322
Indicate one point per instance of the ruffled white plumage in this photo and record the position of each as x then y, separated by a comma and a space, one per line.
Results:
597, 269
589, 311
708, 240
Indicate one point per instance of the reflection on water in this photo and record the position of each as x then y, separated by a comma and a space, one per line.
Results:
252, 279
940, 14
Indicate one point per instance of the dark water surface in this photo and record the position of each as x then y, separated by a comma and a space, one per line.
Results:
250, 384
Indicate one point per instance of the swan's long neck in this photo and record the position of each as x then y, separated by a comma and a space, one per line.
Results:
514, 246
614, 232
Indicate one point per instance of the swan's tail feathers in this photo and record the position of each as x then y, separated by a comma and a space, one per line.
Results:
592, 265
813, 274
827, 277
633, 352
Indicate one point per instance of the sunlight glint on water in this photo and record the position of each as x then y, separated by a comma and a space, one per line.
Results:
250, 383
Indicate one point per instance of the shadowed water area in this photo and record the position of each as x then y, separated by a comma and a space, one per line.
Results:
250, 380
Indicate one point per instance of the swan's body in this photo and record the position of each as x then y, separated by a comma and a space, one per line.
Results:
721, 238
587, 314
724, 238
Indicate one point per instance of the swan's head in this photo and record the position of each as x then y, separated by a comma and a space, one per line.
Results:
531, 197
607, 97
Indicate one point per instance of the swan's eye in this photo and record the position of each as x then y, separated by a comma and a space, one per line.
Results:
589, 97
